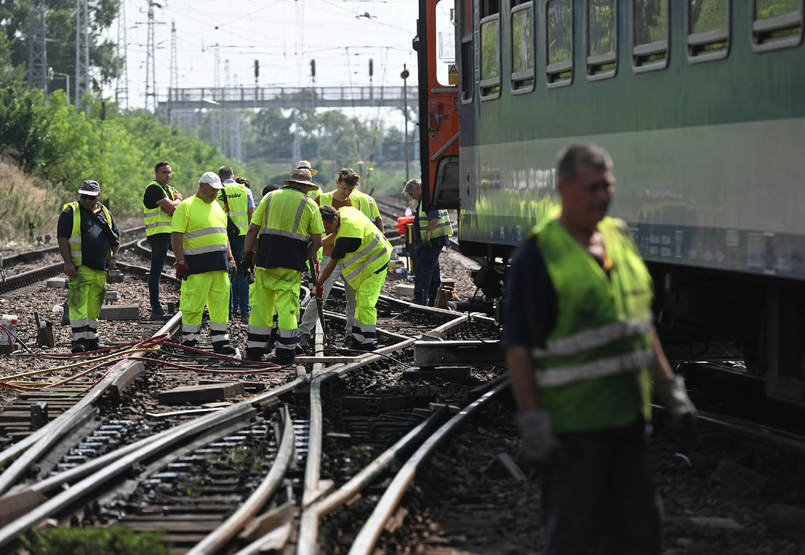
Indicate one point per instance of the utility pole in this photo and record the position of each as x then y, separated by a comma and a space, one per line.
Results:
81, 54
215, 125
174, 85
37, 48
404, 76
52, 74
227, 126
256, 75
150, 61
297, 144
122, 59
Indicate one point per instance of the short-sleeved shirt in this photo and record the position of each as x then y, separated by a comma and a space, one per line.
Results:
345, 245
95, 245
327, 250
250, 198
154, 194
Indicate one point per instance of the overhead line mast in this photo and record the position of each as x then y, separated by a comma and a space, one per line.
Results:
122, 59
37, 48
81, 53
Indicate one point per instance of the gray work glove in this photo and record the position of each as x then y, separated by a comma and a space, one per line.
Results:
540, 446
672, 395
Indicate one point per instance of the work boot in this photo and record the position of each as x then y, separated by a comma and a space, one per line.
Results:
365, 347
351, 343
235, 312
244, 316
223, 348
304, 341
283, 360
254, 354
79, 346
163, 316
94, 345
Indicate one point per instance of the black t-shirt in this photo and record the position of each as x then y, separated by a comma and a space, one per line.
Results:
344, 246
95, 245
153, 194
530, 299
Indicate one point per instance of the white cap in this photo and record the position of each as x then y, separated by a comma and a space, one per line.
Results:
212, 179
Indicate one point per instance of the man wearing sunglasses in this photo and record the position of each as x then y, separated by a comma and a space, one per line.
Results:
88, 240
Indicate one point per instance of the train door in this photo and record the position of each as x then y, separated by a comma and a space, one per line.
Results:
438, 104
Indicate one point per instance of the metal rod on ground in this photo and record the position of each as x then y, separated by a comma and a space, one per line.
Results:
315, 275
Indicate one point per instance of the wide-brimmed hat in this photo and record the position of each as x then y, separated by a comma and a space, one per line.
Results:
305, 165
211, 179
301, 177
90, 188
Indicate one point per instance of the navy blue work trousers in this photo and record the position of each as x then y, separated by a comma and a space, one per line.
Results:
600, 499
239, 289
428, 274
160, 245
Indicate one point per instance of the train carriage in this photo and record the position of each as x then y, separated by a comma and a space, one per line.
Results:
701, 104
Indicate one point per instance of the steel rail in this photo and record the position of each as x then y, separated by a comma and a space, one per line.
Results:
222, 535
367, 537
313, 486
308, 528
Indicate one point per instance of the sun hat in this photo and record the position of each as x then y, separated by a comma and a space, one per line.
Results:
90, 188
211, 179
301, 177
305, 165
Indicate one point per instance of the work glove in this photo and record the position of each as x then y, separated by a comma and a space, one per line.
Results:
182, 269
248, 261
318, 268
233, 269
320, 292
540, 446
672, 395
426, 240
249, 274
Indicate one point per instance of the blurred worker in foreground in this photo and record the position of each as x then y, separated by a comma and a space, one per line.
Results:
362, 253
237, 202
203, 261
582, 353
159, 203
432, 231
343, 195
290, 231
88, 240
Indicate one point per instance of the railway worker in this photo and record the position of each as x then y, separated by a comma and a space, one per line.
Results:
362, 252
343, 195
289, 228
582, 375
432, 231
203, 260
88, 244
159, 203
237, 201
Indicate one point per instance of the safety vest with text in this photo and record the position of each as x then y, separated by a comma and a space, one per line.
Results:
156, 219
593, 372
442, 228
373, 254
75, 235
238, 200
204, 239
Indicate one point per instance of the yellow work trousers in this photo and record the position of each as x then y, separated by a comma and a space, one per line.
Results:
364, 328
274, 288
212, 289
87, 291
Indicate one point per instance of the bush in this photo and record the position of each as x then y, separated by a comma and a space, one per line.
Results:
115, 540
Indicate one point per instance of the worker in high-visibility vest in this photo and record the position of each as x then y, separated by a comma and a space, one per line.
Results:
159, 203
203, 261
88, 240
362, 252
238, 203
582, 353
432, 231
290, 228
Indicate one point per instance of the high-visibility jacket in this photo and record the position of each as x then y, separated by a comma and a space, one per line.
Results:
286, 226
593, 372
373, 254
368, 205
326, 199
156, 219
238, 200
75, 234
442, 228
204, 238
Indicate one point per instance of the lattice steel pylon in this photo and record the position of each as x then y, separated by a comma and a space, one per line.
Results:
215, 124
122, 59
226, 128
37, 48
150, 62
81, 53
174, 72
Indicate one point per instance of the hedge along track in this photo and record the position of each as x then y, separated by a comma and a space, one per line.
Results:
92, 479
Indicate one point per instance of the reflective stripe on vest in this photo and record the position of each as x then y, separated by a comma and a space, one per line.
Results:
76, 256
293, 233
373, 253
206, 232
442, 228
156, 219
238, 200
368, 207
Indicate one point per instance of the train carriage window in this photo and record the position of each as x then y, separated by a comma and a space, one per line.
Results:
776, 24
465, 62
559, 36
602, 57
490, 49
708, 30
445, 42
522, 46
650, 47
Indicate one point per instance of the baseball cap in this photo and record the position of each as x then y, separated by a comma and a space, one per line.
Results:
212, 179
90, 188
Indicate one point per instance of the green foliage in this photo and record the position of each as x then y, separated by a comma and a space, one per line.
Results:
115, 540
771, 8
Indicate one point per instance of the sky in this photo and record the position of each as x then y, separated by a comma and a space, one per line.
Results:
284, 35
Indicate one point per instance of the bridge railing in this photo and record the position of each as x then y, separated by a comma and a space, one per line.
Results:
257, 95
